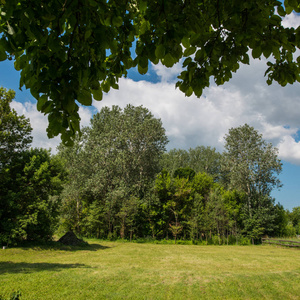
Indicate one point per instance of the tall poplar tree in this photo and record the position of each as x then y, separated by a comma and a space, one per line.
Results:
252, 167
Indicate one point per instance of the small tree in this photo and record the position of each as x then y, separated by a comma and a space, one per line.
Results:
175, 228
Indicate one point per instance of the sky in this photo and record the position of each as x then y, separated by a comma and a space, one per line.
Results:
190, 121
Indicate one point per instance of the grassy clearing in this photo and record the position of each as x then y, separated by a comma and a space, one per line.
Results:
114, 270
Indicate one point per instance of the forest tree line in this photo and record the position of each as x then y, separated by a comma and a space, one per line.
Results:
118, 181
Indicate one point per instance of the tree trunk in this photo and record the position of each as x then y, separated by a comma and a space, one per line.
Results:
122, 230
131, 231
249, 200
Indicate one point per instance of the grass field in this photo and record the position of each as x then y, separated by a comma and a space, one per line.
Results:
114, 270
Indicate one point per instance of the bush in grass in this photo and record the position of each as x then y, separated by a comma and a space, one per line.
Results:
184, 242
244, 241
14, 296
290, 230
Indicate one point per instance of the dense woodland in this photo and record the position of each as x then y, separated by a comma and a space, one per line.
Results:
118, 182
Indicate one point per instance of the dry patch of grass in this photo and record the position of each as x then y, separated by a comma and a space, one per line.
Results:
113, 270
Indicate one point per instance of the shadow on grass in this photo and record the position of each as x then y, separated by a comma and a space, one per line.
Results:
8, 267
59, 246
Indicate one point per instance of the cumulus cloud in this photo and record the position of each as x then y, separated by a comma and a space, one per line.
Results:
167, 74
289, 149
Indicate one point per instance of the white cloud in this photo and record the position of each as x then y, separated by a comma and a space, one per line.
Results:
289, 149
168, 74
85, 115
291, 20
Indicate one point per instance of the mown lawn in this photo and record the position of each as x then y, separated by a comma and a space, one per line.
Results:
114, 270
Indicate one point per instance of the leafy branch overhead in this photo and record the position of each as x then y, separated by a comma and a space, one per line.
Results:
71, 51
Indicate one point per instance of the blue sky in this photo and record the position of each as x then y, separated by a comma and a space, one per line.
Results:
274, 111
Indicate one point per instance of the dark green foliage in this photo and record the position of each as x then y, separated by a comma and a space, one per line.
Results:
187, 173
31, 196
30, 181
75, 50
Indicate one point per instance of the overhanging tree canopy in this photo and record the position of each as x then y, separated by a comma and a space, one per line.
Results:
70, 50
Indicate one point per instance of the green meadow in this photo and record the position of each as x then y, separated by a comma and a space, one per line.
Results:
115, 270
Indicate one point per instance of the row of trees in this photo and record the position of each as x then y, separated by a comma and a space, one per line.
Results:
114, 190
118, 181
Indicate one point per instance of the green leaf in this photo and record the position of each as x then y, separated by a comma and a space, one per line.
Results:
267, 52
20, 62
275, 20
187, 61
97, 94
198, 90
145, 25
288, 9
168, 60
291, 3
276, 52
189, 51
41, 102
143, 62
200, 54
142, 6
185, 42
281, 11
256, 52
70, 106
160, 51
47, 107
117, 21
189, 91
105, 86
142, 70
87, 34
245, 59
84, 97
3, 55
